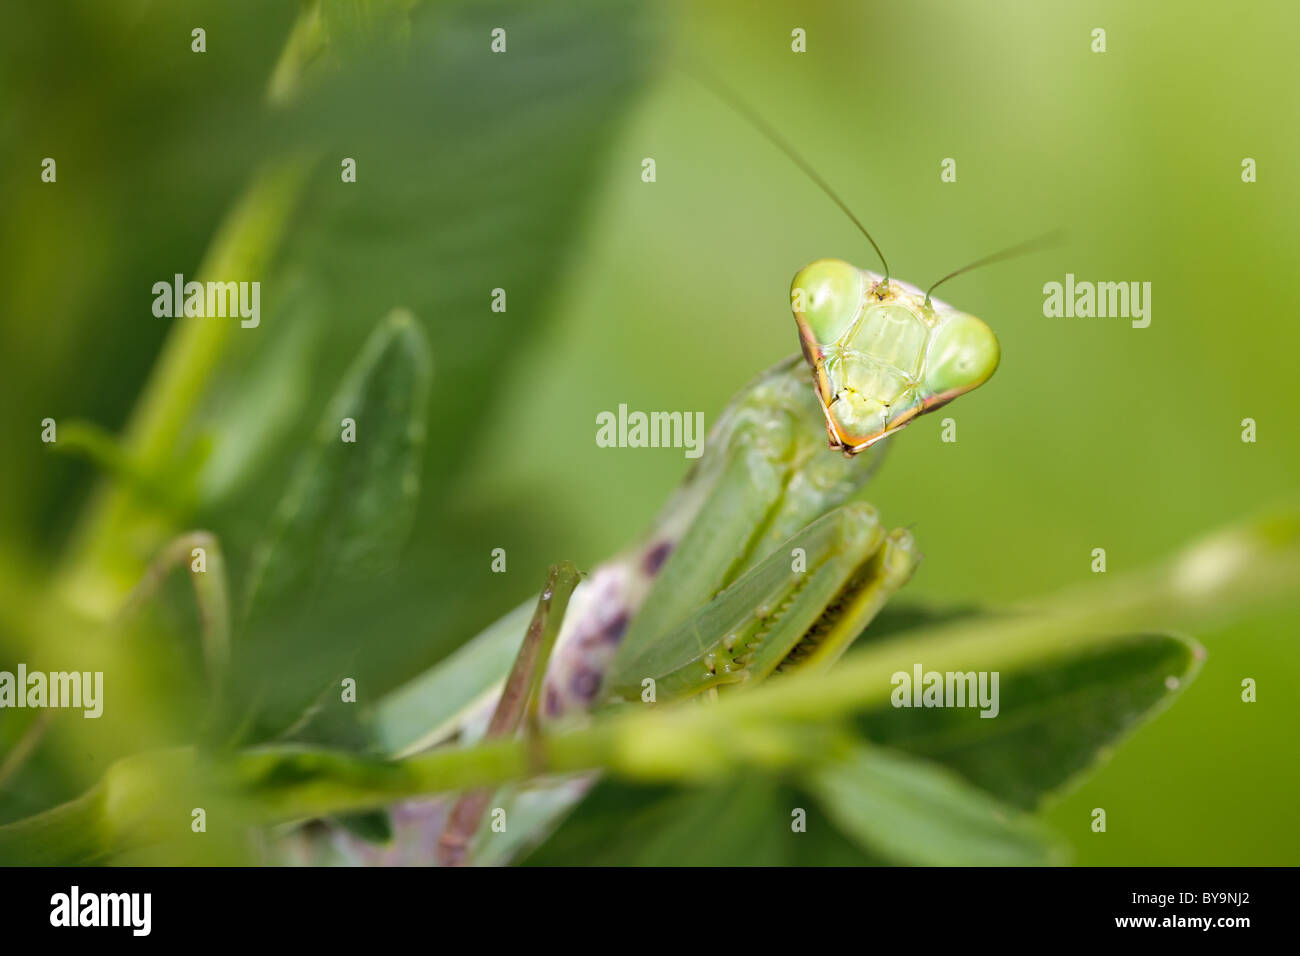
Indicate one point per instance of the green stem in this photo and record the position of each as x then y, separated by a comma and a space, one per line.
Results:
305, 43
105, 557
101, 567
141, 800
783, 723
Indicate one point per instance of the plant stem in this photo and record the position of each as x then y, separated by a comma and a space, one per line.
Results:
109, 549
787, 721
102, 567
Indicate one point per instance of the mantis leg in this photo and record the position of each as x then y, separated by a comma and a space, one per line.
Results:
518, 704
801, 606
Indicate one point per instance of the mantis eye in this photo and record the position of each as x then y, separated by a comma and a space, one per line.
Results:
962, 356
826, 297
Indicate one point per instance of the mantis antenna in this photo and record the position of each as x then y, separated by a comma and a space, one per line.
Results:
737, 103
1019, 249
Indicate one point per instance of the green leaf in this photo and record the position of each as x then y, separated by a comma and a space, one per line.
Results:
348, 510
373, 827
747, 821
1056, 718
872, 808
474, 172
912, 811
346, 25
260, 410
898, 617
139, 800
417, 713
341, 525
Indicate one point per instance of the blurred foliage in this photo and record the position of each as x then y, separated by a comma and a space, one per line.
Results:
746, 821
474, 171
1055, 722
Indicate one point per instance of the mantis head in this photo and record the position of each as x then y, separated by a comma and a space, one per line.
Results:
882, 352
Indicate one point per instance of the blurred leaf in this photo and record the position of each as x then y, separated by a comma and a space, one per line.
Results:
1055, 719
473, 169
473, 172
348, 25
900, 616
373, 827
342, 522
533, 811
136, 800
873, 807
347, 513
134, 119
745, 822
416, 713
261, 409
26, 784
912, 811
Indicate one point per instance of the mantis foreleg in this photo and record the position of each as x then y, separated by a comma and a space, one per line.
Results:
518, 704
801, 606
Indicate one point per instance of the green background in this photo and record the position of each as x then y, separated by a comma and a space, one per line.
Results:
673, 294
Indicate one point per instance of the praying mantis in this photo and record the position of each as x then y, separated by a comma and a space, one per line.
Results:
762, 563
880, 355
766, 560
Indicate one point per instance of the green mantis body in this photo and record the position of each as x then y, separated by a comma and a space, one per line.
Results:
801, 606
762, 563
881, 354
763, 479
